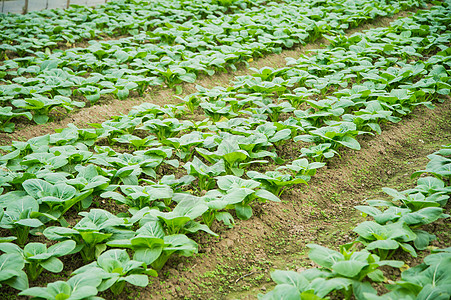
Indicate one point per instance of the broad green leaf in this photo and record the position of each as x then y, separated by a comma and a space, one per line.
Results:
53, 265
349, 268
243, 211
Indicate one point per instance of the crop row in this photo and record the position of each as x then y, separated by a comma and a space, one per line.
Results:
341, 92
34, 31
397, 225
33, 86
50, 177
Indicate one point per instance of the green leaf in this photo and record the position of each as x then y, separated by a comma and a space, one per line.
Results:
11, 261
349, 268
10, 248
19, 282
290, 277
350, 142
37, 188
376, 276
383, 244
123, 93
225, 217
148, 255
423, 239
137, 279
324, 256
408, 248
361, 289
323, 287
40, 119
285, 292
237, 195
264, 194
370, 230
193, 227
243, 211
62, 248
52, 264
188, 77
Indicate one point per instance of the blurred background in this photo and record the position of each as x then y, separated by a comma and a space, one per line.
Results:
21, 6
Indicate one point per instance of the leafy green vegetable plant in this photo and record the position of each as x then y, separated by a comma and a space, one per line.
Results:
115, 268
439, 164
245, 190
91, 232
38, 257
6, 114
81, 286
274, 181
166, 128
152, 247
235, 159
184, 145
415, 219
343, 271
339, 134
302, 168
141, 196
19, 215
319, 152
11, 266
181, 219
136, 142
41, 106
386, 239
54, 199
428, 280
204, 173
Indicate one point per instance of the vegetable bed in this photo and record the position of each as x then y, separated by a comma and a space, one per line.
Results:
171, 53
146, 185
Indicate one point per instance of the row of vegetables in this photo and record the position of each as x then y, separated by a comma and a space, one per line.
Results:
35, 31
35, 85
397, 225
324, 101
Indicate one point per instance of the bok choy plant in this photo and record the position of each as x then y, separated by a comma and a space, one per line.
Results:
386, 239
91, 233
20, 215
38, 257
141, 196
274, 181
152, 247
81, 286
237, 187
428, 280
11, 271
115, 268
204, 173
